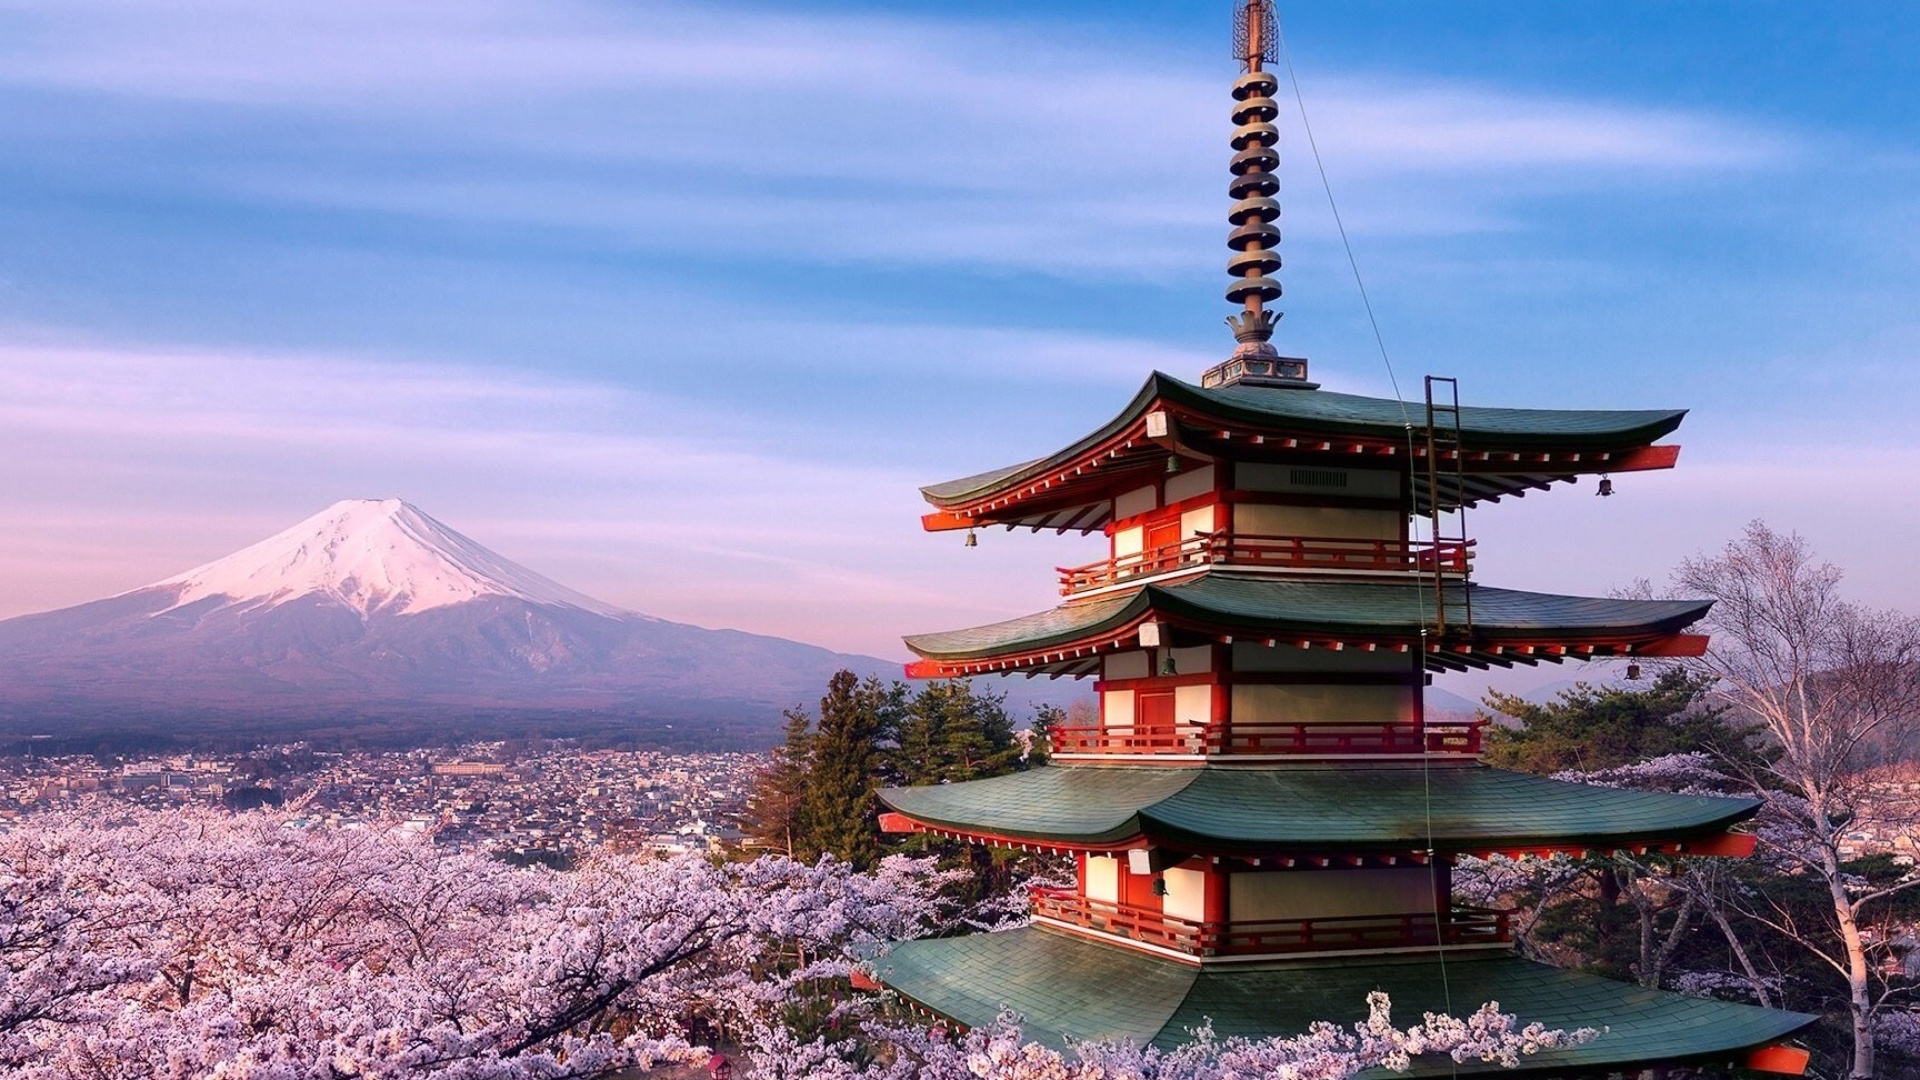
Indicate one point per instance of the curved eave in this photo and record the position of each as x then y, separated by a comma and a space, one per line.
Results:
1316, 811
1510, 627
1068, 989
1507, 451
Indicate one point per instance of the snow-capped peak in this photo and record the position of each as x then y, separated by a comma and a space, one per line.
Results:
372, 555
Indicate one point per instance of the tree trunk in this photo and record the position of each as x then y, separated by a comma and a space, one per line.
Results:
1860, 994
1740, 953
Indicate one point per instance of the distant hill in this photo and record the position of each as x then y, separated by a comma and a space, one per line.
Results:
1444, 704
375, 621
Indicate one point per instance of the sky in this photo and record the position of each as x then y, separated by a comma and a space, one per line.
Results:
679, 304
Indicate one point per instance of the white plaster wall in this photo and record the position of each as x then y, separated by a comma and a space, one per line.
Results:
1192, 705
1254, 656
1103, 878
1361, 483
1137, 501
1187, 484
1317, 894
1186, 894
1323, 704
1254, 519
1116, 710
1127, 542
1192, 661
1126, 665
1194, 522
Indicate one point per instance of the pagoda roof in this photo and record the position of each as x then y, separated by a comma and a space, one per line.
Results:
1504, 451
1509, 626
1337, 810
1069, 988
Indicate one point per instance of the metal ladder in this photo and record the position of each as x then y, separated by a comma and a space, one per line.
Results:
1445, 477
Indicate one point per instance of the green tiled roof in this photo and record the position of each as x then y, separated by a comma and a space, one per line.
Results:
1280, 606
1313, 808
1069, 988
1324, 412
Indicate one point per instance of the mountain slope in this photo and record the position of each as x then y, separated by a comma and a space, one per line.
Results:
374, 608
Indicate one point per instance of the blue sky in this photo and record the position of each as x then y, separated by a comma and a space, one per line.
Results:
678, 303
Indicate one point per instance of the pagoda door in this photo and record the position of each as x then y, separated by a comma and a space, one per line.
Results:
1155, 726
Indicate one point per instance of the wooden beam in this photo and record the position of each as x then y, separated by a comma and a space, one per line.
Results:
946, 521
1779, 1059
1644, 458
1731, 845
1674, 645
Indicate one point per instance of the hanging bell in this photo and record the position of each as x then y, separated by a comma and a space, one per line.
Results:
1606, 487
1633, 670
972, 540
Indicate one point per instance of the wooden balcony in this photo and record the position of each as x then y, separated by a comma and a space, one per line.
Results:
1256, 737
1274, 937
1452, 558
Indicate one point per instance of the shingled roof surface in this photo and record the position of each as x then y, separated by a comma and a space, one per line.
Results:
1313, 808
1069, 988
1280, 606
1323, 412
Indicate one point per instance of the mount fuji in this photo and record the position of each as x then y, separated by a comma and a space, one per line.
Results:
372, 614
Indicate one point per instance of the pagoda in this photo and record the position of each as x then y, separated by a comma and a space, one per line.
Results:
1264, 820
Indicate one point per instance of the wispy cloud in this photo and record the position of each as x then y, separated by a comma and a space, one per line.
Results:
132, 464
688, 130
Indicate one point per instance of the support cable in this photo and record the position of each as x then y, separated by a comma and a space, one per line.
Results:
1433, 496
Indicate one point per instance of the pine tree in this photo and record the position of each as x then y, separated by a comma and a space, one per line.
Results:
841, 814
1589, 728
776, 807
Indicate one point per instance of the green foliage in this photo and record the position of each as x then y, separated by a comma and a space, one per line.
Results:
816, 795
1590, 728
839, 813
775, 806
948, 732
1045, 719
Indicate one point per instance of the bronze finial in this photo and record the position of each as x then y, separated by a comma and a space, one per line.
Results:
1255, 238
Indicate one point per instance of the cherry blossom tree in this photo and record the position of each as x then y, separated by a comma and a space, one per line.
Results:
190, 944
1000, 1051
143, 945
1835, 688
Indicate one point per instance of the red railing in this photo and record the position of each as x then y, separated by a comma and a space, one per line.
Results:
1450, 557
1260, 737
1120, 740
1462, 926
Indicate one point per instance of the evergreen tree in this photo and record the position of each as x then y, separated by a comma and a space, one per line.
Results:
776, 807
841, 815
1045, 719
1590, 728
949, 732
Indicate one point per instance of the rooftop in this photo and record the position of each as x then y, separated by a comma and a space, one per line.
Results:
1070, 988
1339, 810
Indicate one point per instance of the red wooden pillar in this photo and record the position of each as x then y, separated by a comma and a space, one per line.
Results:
1222, 709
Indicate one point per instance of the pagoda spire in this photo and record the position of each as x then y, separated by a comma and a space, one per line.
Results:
1255, 238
